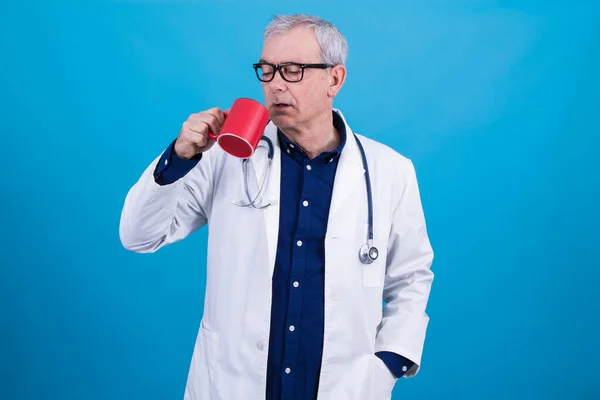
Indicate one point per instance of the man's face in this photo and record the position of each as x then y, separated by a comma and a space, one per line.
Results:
292, 105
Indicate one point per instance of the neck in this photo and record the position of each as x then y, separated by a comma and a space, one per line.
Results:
315, 137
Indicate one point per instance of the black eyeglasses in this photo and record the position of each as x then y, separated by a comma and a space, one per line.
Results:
289, 71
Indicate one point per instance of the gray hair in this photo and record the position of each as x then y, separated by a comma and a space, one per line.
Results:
333, 45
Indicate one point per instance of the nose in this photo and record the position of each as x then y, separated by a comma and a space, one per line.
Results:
277, 84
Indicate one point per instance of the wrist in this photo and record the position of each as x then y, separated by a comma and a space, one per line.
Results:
182, 153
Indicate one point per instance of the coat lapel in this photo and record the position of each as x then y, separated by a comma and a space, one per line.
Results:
348, 180
271, 191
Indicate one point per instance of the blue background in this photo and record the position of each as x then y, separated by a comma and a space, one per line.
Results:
497, 104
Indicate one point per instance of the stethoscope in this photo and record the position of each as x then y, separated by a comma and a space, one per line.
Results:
252, 201
367, 253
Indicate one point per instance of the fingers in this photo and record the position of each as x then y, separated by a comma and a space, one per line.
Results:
198, 139
203, 124
211, 120
195, 133
219, 115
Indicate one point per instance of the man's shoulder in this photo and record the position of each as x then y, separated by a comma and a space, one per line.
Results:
388, 168
381, 153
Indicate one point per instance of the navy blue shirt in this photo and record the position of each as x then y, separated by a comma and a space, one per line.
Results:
297, 308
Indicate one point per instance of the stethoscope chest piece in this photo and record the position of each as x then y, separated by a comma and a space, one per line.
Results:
368, 253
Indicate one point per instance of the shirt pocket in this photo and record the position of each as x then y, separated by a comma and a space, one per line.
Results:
373, 274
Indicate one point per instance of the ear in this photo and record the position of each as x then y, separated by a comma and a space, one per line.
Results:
337, 77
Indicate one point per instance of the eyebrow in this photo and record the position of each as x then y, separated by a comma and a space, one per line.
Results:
262, 60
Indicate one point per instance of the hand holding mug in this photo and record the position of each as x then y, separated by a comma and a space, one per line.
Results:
237, 130
195, 135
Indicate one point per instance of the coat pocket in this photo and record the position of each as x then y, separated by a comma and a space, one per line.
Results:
210, 349
383, 381
373, 274
202, 376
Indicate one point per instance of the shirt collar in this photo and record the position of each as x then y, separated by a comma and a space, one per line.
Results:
295, 151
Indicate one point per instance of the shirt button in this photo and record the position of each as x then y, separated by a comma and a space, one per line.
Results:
166, 162
287, 370
299, 243
296, 284
292, 328
308, 167
305, 203
404, 368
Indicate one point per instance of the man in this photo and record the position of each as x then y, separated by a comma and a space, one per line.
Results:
290, 310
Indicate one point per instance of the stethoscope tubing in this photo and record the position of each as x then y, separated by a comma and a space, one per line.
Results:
367, 253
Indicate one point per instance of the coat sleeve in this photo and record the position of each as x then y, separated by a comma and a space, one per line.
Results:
155, 215
408, 278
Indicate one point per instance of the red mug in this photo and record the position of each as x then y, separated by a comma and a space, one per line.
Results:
244, 125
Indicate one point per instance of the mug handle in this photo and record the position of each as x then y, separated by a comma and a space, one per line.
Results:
213, 136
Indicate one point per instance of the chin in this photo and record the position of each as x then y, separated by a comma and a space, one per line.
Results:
282, 120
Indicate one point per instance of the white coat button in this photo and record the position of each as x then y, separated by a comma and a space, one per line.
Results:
299, 243
305, 203
308, 167
260, 345
287, 370
296, 284
292, 328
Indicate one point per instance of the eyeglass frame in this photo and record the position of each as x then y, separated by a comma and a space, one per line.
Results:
277, 67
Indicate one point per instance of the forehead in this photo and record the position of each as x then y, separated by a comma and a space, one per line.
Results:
299, 44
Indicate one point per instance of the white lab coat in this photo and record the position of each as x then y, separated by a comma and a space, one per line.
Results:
229, 361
